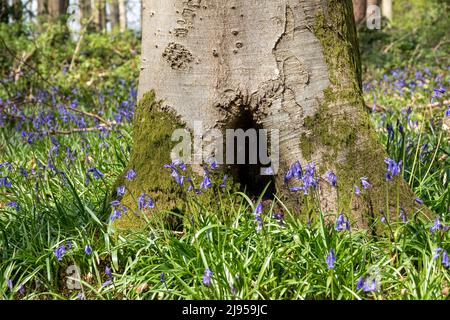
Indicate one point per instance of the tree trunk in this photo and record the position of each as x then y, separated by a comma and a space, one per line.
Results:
4, 14
17, 10
99, 7
57, 9
122, 15
286, 65
114, 14
386, 8
359, 10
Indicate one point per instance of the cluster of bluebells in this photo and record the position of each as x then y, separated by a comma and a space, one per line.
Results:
145, 202
10, 285
438, 225
109, 277
444, 254
330, 259
118, 210
62, 250
307, 178
393, 168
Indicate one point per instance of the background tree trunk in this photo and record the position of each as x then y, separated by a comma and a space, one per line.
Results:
4, 14
289, 65
17, 10
386, 8
57, 9
99, 7
359, 10
122, 15
114, 15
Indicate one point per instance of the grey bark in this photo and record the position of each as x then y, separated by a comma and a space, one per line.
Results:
114, 14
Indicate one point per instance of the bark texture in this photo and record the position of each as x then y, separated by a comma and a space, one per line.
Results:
99, 7
4, 15
57, 9
293, 65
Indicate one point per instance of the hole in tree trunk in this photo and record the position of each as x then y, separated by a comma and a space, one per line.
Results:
249, 174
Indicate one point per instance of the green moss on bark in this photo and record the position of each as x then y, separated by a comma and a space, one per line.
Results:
152, 145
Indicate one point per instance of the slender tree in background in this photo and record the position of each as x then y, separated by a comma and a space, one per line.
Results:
4, 14
17, 10
114, 14
386, 8
99, 7
287, 65
122, 15
57, 9
42, 8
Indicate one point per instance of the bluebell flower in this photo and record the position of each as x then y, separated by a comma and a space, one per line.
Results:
357, 190
331, 177
445, 261
22, 289
108, 272
13, 204
394, 168
59, 252
224, 182
342, 223
436, 226
365, 183
419, 201
207, 277
162, 277
179, 179
447, 112
130, 175
436, 253
120, 191
213, 164
88, 249
360, 283
370, 285
115, 203
107, 283
402, 214
144, 203
390, 130
258, 209
206, 183
69, 244
259, 223
295, 171
331, 259
5, 182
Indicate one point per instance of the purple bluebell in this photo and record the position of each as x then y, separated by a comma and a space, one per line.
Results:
88, 249
437, 253
179, 179
5, 182
365, 183
437, 225
390, 130
59, 252
445, 261
331, 259
13, 204
9, 283
331, 177
207, 277
342, 223
206, 183
403, 214
69, 244
370, 285
393, 169
295, 171
162, 277
360, 283
258, 209
115, 203
108, 272
96, 173
447, 112
22, 289
120, 191
419, 201
130, 175
357, 190
224, 182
